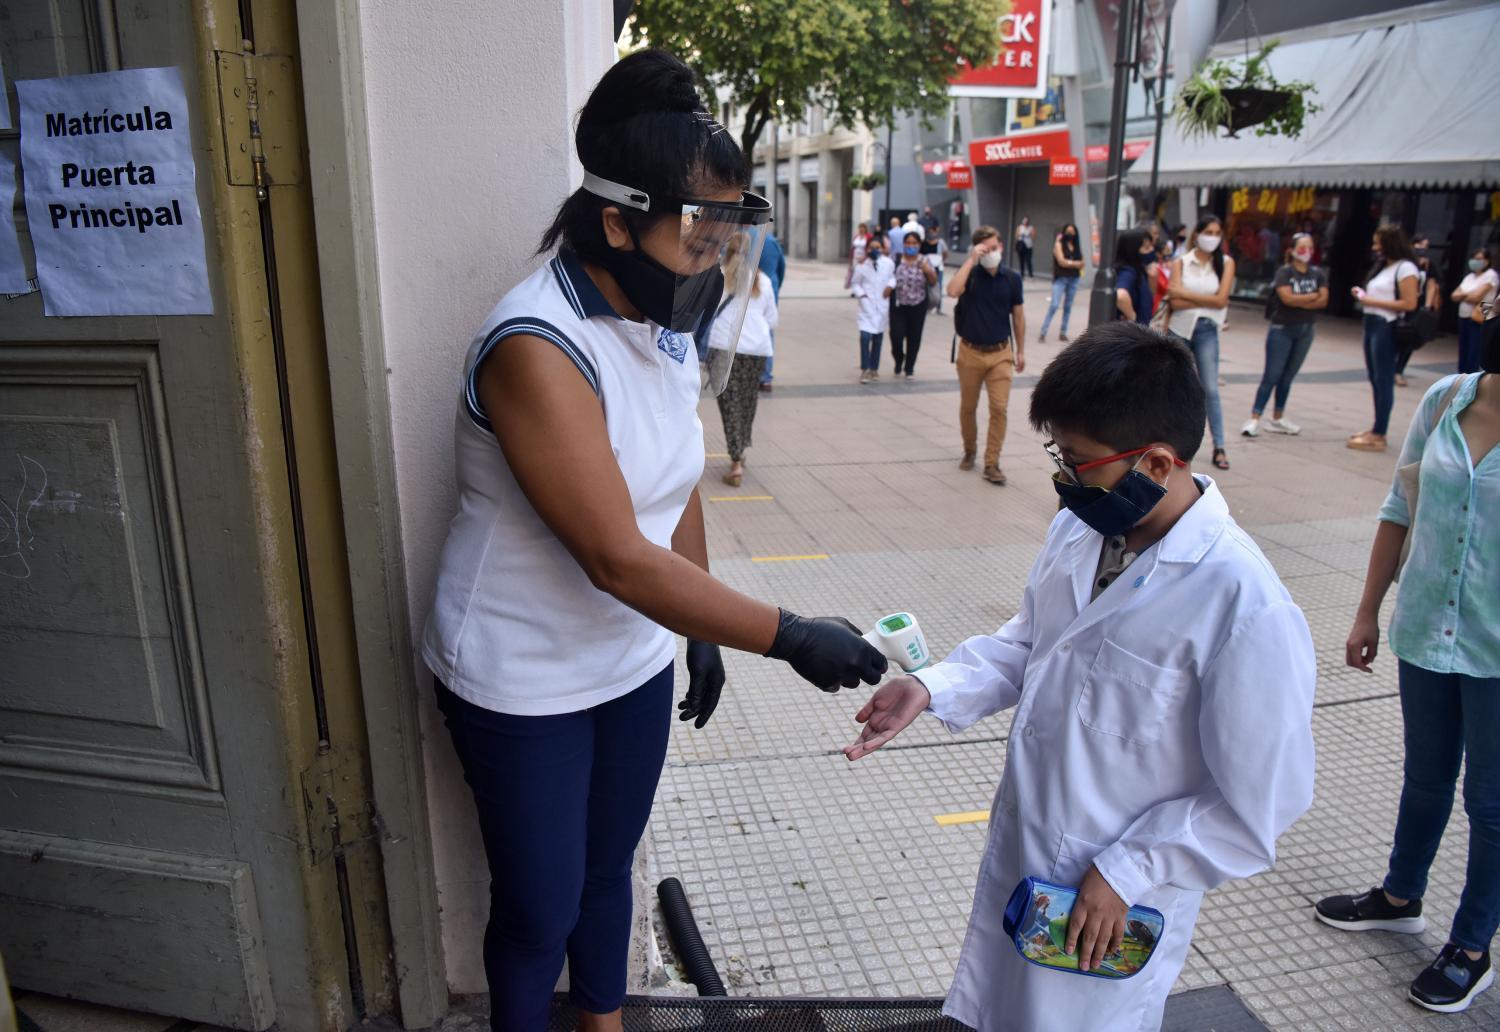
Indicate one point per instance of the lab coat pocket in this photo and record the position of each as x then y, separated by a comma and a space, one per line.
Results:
1128, 697
1074, 856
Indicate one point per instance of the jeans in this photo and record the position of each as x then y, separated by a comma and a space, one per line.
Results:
1380, 367
906, 335
765, 377
1470, 345
1064, 289
869, 351
1287, 344
1204, 345
1448, 718
563, 801
1023, 260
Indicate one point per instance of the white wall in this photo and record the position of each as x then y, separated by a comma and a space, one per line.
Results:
470, 106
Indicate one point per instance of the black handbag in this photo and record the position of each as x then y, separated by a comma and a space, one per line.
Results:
1412, 330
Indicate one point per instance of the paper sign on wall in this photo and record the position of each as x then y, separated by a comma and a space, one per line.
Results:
13, 278
110, 194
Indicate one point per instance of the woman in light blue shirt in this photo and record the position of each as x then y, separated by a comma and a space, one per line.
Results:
1446, 635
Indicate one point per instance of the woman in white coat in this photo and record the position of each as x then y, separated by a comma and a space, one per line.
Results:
1151, 758
737, 403
873, 281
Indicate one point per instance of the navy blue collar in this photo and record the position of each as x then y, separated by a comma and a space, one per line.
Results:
578, 288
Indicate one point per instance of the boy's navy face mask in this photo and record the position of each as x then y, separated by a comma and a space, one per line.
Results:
1111, 511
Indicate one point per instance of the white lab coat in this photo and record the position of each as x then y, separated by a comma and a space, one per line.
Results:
868, 284
1162, 732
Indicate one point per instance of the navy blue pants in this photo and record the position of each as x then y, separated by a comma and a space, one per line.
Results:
1380, 364
563, 801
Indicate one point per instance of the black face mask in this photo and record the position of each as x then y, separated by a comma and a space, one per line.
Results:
667, 298
1111, 511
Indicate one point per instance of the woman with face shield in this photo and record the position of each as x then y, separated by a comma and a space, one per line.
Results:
738, 402
578, 554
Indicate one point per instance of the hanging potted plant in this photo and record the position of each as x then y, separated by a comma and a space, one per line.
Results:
1228, 95
866, 182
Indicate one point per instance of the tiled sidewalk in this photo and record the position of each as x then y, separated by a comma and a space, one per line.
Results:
810, 875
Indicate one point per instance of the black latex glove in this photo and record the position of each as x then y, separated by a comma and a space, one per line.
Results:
829, 651
705, 681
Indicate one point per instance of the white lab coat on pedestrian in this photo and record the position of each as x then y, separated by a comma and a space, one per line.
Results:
868, 283
1162, 733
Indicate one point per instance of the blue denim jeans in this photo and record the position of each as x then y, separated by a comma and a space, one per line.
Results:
1448, 717
1204, 344
1064, 289
1286, 347
1470, 345
869, 351
1380, 367
765, 377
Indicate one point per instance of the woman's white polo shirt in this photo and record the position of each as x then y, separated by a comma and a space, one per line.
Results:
516, 625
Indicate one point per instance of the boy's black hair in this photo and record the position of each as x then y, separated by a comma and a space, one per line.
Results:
1124, 385
644, 126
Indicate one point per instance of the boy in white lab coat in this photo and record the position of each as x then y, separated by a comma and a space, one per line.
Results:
1162, 679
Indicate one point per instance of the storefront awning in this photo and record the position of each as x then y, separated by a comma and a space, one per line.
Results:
1409, 105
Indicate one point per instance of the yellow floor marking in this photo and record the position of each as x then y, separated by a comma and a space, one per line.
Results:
784, 558
970, 817
741, 498
717, 455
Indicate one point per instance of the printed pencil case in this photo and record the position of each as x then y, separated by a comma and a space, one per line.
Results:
1036, 919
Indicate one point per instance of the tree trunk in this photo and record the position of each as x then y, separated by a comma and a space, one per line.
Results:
757, 117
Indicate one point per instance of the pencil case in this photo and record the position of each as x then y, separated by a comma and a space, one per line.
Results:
1036, 919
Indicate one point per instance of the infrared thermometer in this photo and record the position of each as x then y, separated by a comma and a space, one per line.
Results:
900, 640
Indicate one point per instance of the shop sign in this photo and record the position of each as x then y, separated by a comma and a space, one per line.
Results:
1064, 172
960, 177
1020, 69
1010, 150
1098, 154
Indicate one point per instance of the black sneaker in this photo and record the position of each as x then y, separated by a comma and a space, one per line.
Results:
1451, 982
1370, 912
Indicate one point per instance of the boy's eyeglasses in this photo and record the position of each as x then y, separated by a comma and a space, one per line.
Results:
1071, 470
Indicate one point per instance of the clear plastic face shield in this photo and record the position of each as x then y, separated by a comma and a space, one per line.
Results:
695, 272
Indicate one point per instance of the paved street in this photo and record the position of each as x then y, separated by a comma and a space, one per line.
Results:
810, 875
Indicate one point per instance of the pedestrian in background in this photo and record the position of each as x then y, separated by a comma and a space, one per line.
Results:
874, 282
857, 245
991, 326
1480, 284
914, 275
1391, 289
929, 221
935, 253
737, 402
893, 237
1132, 281
1298, 290
911, 225
1199, 296
773, 264
1443, 517
1430, 295
1067, 261
1025, 241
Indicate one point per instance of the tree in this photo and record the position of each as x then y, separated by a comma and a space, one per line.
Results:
861, 60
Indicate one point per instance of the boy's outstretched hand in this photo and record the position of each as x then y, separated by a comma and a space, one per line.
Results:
1096, 927
893, 706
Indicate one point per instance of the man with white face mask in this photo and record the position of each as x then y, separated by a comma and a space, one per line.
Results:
991, 326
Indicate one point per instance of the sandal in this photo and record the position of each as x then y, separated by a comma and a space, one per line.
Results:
1366, 442
733, 479
1221, 460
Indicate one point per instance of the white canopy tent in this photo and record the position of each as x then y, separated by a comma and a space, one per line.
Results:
1415, 104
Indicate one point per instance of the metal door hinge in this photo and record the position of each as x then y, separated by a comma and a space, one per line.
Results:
260, 119
336, 820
